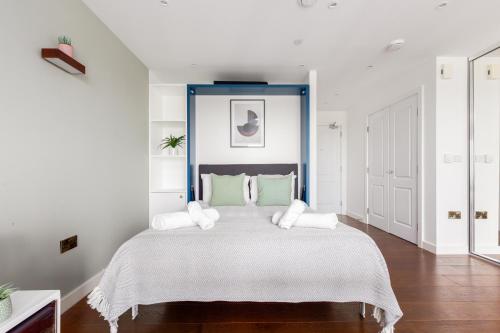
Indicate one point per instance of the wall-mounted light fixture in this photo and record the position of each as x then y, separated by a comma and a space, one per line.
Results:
493, 71
446, 71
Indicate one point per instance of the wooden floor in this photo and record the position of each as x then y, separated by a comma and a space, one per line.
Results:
454, 294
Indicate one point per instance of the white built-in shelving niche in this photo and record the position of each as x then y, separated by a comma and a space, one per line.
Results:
167, 172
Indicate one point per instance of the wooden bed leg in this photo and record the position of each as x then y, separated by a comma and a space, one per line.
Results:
362, 310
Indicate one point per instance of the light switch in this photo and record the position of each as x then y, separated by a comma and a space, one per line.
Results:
452, 158
484, 158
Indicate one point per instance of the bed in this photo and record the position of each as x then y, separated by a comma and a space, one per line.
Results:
247, 258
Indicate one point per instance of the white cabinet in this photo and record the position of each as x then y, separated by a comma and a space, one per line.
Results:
160, 203
167, 168
34, 311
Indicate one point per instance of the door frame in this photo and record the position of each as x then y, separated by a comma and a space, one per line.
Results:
419, 93
343, 156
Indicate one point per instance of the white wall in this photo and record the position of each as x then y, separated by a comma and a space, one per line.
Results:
374, 96
443, 130
452, 138
282, 130
74, 148
340, 117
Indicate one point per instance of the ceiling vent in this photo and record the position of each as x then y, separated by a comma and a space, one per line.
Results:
307, 3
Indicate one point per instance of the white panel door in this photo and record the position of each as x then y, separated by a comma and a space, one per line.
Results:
329, 169
378, 136
403, 169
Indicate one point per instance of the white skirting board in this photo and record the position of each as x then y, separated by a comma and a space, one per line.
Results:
452, 249
356, 216
445, 249
80, 292
487, 249
428, 246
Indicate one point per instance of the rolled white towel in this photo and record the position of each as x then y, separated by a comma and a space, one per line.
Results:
291, 215
170, 221
315, 220
311, 220
276, 217
212, 214
196, 213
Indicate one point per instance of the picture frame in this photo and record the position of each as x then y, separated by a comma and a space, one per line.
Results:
247, 123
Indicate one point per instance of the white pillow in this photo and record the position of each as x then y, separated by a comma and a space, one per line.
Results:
254, 188
206, 179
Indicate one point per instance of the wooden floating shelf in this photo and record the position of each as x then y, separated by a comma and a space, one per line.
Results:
63, 61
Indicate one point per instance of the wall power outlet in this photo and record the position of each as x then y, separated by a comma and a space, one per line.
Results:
454, 215
68, 243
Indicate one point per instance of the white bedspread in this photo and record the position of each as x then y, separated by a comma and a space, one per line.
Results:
247, 258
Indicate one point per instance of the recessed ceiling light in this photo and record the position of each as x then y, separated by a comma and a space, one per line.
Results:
333, 4
442, 4
164, 2
395, 45
297, 42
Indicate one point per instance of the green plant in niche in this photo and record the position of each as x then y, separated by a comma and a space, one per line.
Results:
64, 40
6, 290
172, 142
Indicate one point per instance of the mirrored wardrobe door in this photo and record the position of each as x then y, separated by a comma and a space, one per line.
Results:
485, 155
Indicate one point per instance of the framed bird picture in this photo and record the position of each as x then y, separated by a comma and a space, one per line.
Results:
248, 123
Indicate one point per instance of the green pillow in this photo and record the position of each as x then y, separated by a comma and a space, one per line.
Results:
274, 191
227, 190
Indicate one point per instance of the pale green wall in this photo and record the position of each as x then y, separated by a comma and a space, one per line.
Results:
73, 149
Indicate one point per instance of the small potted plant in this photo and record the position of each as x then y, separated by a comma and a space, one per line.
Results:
5, 303
65, 45
173, 143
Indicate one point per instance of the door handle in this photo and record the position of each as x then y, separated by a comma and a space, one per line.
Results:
390, 172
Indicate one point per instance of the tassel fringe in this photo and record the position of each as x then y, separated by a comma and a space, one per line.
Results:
98, 302
378, 314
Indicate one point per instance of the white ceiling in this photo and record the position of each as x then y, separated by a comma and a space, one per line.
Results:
254, 39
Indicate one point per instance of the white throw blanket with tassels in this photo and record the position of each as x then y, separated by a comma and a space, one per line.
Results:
247, 259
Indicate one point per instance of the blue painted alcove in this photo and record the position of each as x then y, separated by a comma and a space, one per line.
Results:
301, 90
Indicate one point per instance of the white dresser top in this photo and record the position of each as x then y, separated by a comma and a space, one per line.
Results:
27, 302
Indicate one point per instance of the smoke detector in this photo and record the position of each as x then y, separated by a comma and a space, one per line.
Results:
395, 45
307, 3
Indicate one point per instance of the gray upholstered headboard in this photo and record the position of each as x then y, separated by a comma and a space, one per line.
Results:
249, 169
